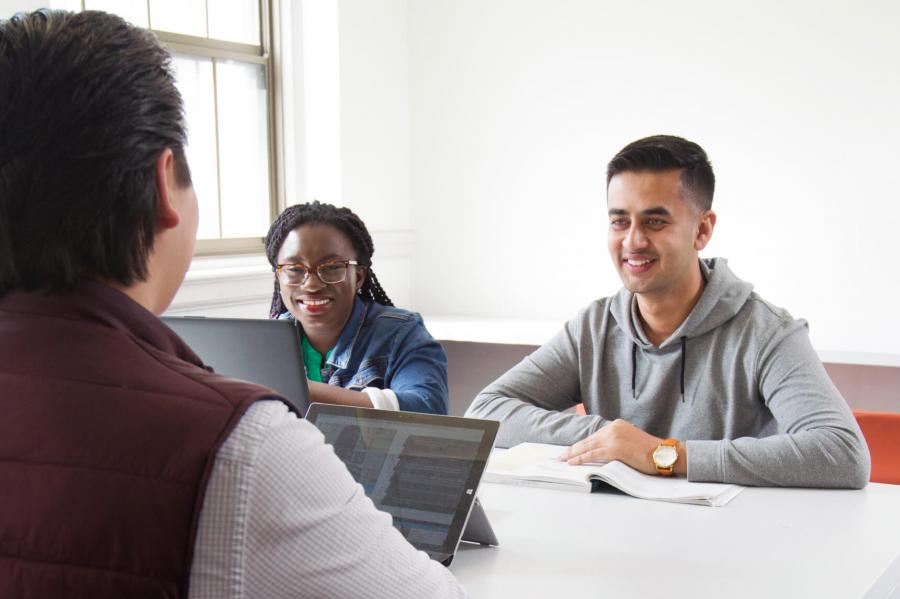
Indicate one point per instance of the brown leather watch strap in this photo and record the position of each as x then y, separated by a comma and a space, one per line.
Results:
671, 469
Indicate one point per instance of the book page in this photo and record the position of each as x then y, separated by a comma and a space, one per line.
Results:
646, 486
539, 462
522, 456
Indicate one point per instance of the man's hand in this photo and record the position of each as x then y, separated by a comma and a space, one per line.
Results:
621, 440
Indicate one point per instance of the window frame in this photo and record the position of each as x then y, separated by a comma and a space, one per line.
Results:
262, 54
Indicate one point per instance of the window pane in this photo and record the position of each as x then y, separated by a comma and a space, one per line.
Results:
234, 21
226, 108
133, 11
179, 16
71, 5
195, 82
243, 149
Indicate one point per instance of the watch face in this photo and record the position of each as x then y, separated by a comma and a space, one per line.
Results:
664, 456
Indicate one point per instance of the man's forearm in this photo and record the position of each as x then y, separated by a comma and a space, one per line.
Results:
818, 458
522, 421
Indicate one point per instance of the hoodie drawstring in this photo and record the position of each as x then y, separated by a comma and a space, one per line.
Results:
633, 367
634, 349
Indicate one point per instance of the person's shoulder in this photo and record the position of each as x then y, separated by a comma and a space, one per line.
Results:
766, 324
258, 425
764, 312
600, 305
391, 316
588, 324
738, 295
594, 311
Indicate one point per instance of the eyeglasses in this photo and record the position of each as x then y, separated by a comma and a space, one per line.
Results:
330, 273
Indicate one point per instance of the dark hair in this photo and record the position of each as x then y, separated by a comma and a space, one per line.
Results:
342, 219
87, 105
667, 152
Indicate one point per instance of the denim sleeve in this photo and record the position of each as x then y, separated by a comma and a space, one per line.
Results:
417, 371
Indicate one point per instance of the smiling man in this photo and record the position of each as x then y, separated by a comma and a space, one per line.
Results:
685, 370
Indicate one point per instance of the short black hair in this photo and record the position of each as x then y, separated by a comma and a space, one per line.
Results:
87, 105
342, 219
660, 153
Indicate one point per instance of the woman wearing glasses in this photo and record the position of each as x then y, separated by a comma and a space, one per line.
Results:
358, 349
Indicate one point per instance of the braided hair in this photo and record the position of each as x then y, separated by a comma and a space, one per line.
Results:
342, 219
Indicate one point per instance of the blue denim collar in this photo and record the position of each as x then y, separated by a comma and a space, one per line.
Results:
343, 349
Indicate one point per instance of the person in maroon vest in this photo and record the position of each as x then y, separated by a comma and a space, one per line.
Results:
127, 468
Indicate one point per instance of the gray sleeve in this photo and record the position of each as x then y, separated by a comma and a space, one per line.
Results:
284, 518
818, 444
529, 399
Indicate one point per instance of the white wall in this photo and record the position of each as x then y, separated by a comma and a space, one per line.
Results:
375, 136
374, 73
478, 130
517, 105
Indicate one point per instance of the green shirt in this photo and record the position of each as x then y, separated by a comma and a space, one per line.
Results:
313, 360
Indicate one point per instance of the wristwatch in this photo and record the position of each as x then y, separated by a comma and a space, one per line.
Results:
664, 457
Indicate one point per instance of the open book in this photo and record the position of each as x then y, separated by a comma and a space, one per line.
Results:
537, 464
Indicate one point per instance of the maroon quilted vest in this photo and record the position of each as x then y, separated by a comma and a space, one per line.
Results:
109, 426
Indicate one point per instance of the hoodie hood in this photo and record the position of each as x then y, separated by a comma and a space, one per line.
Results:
720, 301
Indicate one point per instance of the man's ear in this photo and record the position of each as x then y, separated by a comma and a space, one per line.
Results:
165, 184
705, 229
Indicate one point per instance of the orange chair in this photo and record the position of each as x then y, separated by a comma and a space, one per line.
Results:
882, 433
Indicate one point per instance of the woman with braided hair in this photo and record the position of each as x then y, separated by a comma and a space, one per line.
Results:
358, 349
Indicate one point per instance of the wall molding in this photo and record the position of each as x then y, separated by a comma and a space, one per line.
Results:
214, 284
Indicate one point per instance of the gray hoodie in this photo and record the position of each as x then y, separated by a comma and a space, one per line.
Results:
738, 381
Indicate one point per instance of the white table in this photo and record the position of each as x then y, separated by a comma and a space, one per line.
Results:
765, 543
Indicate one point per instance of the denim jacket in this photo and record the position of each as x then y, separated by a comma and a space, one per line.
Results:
389, 348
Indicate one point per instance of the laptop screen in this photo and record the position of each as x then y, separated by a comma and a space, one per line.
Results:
422, 469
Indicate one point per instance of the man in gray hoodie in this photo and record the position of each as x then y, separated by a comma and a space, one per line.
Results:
685, 370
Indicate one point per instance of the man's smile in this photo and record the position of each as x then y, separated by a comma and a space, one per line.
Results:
638, 264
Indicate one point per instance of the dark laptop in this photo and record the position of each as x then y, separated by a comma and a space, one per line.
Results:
261, 351
422, 469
